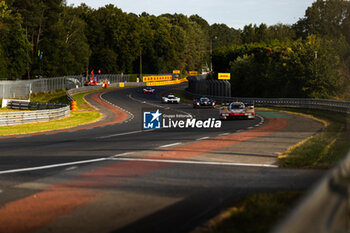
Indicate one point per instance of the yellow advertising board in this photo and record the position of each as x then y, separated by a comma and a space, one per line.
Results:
176, 71
226, 76
173, 82
121, 85
155, 78
193, 73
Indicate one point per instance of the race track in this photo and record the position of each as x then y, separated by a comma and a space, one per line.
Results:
112, 176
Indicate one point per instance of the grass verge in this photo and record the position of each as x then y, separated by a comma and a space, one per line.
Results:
84, 115
253, 213
323, 150
57, 97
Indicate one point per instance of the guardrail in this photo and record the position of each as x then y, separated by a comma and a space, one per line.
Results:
23, 117
25, 105
327, 207
320, 104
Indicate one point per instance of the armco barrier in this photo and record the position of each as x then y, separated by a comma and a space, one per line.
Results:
328, 105
327, 208
23, 117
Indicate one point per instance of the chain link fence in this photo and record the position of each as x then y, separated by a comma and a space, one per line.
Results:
22, 89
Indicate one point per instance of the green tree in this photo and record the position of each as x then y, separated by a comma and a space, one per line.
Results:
74, 47
222, 35
326, 18
13, 44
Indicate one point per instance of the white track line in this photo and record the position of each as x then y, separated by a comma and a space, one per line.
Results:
172, 144
203, 138
126, 133
131, 116
224, 134
71, 168
123, 154
195, 162
51, 166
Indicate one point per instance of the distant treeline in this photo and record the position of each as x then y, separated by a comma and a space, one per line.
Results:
308, 59
49, 38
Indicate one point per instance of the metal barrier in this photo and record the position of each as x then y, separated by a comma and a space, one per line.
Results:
320, 104
23, 117
25, 105
326, 209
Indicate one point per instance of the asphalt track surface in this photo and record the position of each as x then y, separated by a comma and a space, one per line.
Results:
116, 177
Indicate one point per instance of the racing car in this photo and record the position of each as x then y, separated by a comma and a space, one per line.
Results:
149, 90
170, 99
237, 110
203, 102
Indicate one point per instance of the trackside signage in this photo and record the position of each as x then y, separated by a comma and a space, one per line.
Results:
156, 120
226, 76
154, 78
193, 73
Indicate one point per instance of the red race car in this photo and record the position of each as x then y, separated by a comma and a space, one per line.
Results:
149, 90
237, 110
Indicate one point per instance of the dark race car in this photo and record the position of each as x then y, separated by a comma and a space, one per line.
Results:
203, 102
148, 90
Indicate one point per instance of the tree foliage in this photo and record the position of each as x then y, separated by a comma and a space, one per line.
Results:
13, 44
308, 59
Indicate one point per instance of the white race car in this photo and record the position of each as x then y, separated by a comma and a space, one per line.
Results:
170, 99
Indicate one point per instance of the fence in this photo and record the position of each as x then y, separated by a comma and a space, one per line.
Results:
22, 89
